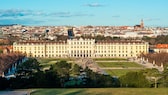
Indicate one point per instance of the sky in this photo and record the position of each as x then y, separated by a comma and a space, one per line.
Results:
84, 12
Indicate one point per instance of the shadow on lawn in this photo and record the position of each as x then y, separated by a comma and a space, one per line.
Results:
58, 92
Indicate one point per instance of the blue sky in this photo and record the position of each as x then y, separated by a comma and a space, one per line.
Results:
84, 12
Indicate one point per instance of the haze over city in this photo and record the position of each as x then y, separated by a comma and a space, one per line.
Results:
84, 12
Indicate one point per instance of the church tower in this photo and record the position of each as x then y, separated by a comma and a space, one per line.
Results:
142, 24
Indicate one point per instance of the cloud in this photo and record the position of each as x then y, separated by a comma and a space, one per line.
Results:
94, 5
19, 13
33, 17
152, 19
14, 13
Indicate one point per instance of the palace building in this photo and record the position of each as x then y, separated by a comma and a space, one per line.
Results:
82, 48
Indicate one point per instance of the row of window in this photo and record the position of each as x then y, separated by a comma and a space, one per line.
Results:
81, 43
80, 55
97, 47
123, 47
36, 52
114, 55
105, 55
77, 51
85, 52
50, 55
117, 51
81, 46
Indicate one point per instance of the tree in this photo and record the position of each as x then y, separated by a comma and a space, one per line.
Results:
95, 79
52, 78
164, 79
153, 75
1, 51
63, 70
3, 83
76, 69
47, 79
27, 68
159, 58
134, 79
40, 79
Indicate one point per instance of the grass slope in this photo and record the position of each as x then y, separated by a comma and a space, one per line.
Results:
118, 64
102, 91
119, 72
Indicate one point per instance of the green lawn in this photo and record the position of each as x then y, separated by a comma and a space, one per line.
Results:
119, 72
110, 59
46, 62
118, 64
102, 91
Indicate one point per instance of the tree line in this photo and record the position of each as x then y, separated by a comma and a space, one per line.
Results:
161, 39
67, 75
6, 60
158, 58
60, 75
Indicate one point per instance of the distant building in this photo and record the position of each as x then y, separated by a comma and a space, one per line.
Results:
140, 26
70, 33
161, 48
83, 48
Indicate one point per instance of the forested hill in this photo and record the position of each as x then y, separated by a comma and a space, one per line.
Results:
163, 39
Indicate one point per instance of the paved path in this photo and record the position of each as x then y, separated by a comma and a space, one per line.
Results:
122, 68
147, 64
14, 93
90, 63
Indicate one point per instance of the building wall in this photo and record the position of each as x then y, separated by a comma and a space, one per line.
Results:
121, 49
161, 48
56, 50
82, 48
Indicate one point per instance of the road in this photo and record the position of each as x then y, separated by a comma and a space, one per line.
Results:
14, 93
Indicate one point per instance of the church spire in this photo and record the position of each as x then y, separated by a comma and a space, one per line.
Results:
142, 23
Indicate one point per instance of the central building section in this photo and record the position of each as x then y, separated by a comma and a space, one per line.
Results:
81, 47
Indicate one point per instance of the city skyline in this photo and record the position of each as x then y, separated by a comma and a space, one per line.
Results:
84, 12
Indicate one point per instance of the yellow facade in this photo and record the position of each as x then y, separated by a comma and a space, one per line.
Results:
82, 48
